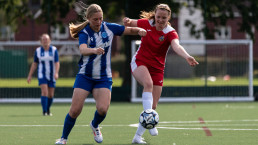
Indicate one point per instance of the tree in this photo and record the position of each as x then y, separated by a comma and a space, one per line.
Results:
12, 11
51, 12
54, 10
220, 12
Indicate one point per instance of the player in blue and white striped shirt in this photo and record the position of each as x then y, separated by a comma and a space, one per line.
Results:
94, 76
47, 60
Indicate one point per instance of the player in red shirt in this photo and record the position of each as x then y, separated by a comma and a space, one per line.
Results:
148, 63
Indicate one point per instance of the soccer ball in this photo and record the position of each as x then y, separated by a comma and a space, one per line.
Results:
149, 118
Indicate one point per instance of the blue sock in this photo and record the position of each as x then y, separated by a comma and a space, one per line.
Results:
49, 103
68, 125
97, 119
44, 102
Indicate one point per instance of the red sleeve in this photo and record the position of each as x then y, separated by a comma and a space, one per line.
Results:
172, 35
143, 23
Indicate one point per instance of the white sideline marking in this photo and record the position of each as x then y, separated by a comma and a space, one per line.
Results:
133, 125
228, 129
30, 125
255, 120
208, 125
169, 125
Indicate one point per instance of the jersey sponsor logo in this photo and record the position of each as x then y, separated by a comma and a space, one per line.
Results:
161, 38
148, 30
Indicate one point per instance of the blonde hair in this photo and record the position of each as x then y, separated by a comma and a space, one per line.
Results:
151, 14
88, 12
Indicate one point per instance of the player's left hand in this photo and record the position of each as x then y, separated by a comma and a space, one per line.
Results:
191, 61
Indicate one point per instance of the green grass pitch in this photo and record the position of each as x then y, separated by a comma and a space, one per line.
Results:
117, 82
180, 124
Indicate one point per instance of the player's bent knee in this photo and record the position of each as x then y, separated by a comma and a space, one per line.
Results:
148, 85
74, 113
102, 110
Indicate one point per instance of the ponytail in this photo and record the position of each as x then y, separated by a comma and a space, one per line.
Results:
75, 29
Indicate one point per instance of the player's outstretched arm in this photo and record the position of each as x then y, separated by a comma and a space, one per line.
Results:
135, 31
181, 51
130, 22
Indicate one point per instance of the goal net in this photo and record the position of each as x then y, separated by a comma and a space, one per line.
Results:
224, 73
15, 61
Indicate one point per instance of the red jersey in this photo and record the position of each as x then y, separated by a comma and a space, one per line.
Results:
154, 46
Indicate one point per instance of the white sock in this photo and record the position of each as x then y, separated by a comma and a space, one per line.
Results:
147, 100
140, 130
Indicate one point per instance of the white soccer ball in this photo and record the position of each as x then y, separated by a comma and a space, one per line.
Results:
149, 118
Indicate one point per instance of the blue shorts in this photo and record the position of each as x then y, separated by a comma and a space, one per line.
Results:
50, 84
89, 84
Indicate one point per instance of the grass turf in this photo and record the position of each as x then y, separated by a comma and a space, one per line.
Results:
117, 82
180, 124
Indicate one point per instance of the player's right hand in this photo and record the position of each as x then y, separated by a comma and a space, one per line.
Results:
126, 21
28, 80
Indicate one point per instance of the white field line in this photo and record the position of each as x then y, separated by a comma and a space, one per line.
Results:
212, 129
169, 125
208, 125
135, 125
212, 121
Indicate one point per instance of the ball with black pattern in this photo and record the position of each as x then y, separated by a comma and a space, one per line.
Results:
149, 118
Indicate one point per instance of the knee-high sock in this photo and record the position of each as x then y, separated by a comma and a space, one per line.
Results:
44, 102
97, 119
49, 103
68, 125
140, 130
147, 100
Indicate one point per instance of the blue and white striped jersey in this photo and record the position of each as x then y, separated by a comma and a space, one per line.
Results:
46, 62
98, 66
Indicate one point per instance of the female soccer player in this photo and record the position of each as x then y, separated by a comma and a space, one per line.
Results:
148, 63
47, 60
95, 40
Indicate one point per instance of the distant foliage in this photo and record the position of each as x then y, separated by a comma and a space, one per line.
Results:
220, 12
